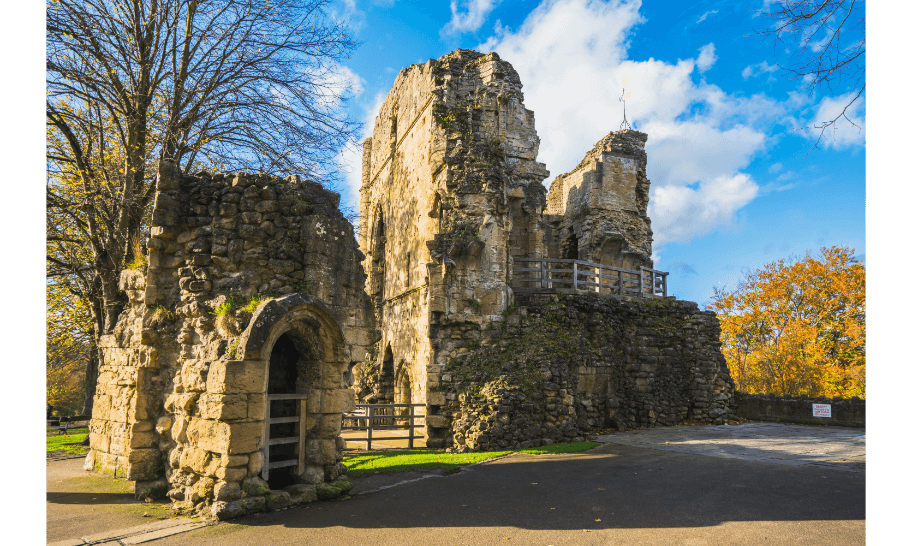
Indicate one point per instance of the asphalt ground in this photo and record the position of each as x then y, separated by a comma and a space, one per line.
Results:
613, 494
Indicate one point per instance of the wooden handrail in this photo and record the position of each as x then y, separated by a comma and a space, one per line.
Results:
647, 282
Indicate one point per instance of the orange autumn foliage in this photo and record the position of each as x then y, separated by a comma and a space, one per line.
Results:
797, 327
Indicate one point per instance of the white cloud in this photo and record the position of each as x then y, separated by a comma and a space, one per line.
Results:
758, 69
468, 15
775, 167
843, 133
707, 57
347, 12
572, 57
349, 160
705, 15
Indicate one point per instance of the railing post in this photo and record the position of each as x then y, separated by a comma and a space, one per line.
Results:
598, 280
265, 472
411, 410
642, 292
574, 276
544, 283
370, 426
620, 283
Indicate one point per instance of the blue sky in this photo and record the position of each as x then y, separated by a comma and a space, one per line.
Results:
735, 181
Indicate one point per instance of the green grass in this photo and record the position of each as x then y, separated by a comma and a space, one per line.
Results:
404, 461
67, 443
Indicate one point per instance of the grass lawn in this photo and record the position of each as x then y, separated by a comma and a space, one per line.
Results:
63, 444
403, 461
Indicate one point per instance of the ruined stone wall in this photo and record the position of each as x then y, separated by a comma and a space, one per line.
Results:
450, 164
599, 208
799, 409
560, 367
234, 263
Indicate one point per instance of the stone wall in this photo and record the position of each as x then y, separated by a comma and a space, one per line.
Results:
799, 409
236, 265
598, 210
450, 191
559, 367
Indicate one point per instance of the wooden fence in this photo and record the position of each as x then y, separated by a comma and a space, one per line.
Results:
574, 277
371, 417
300, 420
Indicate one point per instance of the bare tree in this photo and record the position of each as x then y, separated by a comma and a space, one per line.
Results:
223, 85
825, 41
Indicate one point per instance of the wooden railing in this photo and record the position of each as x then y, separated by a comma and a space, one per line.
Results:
573, 277
366, 415
300, 420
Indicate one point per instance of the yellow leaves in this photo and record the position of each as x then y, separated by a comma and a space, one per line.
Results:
797, 328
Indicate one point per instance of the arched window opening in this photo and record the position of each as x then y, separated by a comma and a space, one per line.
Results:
386, 377
404, 392
378, 266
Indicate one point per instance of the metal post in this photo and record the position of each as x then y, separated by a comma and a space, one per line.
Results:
620, 283
544, 283
370, 425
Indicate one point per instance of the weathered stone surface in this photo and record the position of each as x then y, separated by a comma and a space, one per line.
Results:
236, 376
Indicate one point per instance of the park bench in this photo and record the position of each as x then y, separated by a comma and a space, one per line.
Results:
67, 421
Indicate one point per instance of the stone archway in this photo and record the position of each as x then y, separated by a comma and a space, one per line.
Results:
403, 392
298, 347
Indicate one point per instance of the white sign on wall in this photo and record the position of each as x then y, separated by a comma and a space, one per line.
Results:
822, 410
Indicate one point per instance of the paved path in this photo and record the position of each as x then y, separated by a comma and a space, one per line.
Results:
836, 448
613, 494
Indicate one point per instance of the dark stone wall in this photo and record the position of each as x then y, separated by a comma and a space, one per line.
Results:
799, 409
559, 367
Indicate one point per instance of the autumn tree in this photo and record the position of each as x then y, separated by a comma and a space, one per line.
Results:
825, 44
228, 85
797, 327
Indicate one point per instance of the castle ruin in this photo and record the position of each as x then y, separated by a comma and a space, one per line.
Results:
259, 319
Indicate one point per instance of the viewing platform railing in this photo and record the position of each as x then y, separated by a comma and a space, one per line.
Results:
577, 277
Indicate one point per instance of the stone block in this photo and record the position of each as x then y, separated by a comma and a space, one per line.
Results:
256, 406
320, 452
255, 465
438, 421
222, 407
193, 459
233, 474
301, 493
143, 464
276, 500
313, 474
337, 401
226, 438
226, 491
237, 377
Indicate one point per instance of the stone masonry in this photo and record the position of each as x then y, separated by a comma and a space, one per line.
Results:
253, 287
451, 192
256, 294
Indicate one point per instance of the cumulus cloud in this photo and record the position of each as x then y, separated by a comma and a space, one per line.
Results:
572, 58
468, 15
842, 133
707, 57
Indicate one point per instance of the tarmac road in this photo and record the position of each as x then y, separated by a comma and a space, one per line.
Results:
613, 494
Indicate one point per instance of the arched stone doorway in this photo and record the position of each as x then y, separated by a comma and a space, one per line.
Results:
298, 346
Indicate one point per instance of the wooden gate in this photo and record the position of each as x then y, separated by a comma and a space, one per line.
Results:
300, 420
366, 415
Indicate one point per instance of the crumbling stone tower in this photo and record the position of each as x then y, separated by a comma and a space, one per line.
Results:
598, 210
450, 191
451, 194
